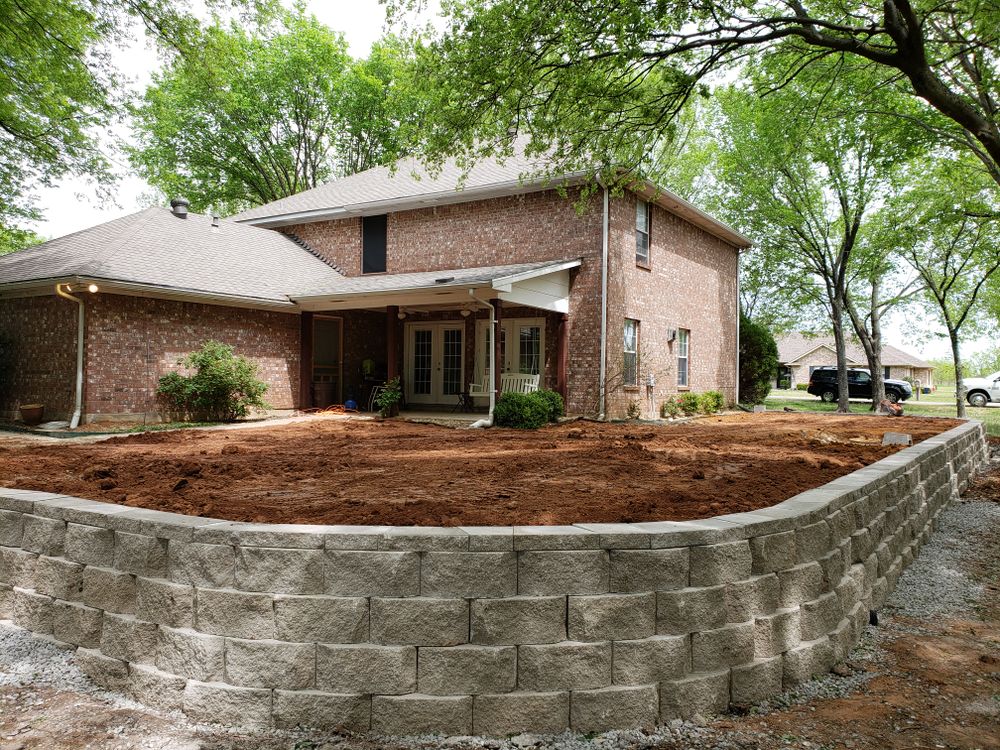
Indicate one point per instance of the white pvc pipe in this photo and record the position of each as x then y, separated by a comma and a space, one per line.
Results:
488, 422
604, 309
739, 310
78, 408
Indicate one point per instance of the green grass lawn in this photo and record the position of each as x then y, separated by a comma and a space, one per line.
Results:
988, 416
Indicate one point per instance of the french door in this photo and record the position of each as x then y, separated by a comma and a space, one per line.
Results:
435, 362
522, 347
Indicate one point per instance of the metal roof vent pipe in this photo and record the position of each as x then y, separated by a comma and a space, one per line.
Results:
179, 207
215, 221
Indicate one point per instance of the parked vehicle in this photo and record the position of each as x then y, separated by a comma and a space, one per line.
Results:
823, 383
981, 391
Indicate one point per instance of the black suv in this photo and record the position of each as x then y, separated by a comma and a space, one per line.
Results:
823, 383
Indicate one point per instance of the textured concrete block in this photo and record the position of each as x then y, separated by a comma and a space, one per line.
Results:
834, 566
813, 541
149, 685
327, 711
773, 552
662, 657
715, 564
563, 572
225, 704
614, 708
612, 616
324, 619
713, 650
774, 634
59, 578
464, 670
108, 673
820, 616
649, 570
46, 536
421, 714
17, 567
76, 624
808, 659
690, 610
372, 573
140, 554
842, 639
564, 666
519, 620
109, 590
164, 602
6, 601
32, 611
748, 599
11, 528
190, 654
270, 664
862, 545
469, 574
756, 681
128, 639
388, 670
513, 713
210, 565
283, 571
90, 545
235, 613
800, 584
704, 694
420, 622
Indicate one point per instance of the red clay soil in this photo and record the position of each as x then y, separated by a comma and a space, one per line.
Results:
359, 472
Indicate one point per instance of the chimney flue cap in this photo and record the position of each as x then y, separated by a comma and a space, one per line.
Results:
179, 206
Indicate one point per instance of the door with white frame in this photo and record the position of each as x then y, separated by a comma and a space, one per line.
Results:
435, 362
522, 348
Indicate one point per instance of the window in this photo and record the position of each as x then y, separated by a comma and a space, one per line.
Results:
683, 361
373, 230
642, 232
631, 360
886, 372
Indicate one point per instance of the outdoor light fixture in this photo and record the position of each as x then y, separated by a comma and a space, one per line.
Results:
401, 315
92, 289
466, 312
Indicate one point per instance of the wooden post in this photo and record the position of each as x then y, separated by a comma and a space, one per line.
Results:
392, 341
305, 360
498, 369
562, 356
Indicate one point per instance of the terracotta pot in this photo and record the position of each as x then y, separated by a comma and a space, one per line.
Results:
31, 414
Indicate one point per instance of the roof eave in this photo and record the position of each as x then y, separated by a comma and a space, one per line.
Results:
688, 211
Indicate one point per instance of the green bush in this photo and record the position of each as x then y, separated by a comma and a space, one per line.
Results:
389, 398
758, 361
670, 408
711, 402
688, 403
553, 402
633, 410
801, 386
523, 411
222, 387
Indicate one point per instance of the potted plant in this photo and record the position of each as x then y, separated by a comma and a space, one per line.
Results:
389, 397
31, 414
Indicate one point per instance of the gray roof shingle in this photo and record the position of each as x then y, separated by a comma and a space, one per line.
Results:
795, 345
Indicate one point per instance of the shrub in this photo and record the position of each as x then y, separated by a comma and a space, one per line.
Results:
670, 408
523, 411
801, 386
633, 411
222, 388
688, 403
710, 402
389, 397
758, 361
553, 402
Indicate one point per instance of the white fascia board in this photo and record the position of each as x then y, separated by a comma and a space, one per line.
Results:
690, 212
504, 283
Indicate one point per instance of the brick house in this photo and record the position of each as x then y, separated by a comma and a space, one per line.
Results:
799, 355
607, 299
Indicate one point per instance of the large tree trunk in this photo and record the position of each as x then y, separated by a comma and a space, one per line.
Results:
843, 393
871, 342
959, 379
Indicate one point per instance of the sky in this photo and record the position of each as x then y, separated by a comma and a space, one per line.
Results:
74, 204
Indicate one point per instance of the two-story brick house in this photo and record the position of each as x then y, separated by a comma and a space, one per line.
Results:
609, 299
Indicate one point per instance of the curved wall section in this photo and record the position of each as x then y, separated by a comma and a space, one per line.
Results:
472, 630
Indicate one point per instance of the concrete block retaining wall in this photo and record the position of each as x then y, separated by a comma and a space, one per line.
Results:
462, 630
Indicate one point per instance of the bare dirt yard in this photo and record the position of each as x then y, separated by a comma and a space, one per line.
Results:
363, 472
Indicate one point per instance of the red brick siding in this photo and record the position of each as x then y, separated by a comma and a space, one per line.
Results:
133, 341
43, 332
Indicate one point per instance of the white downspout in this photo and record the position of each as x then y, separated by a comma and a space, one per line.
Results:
604, 309
78, 408
488, 422
739, 309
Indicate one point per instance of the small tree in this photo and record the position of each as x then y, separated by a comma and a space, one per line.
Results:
758, 360
222, 388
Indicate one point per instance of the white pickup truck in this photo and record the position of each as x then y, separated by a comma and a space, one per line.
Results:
981, 391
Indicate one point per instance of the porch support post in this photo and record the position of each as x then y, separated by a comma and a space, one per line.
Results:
305, 360
392, 341
562, 356
496, 347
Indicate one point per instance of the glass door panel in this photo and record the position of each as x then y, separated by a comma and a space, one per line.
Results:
423, 361
451, 362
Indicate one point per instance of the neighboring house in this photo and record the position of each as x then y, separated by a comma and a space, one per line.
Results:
386, 273
799, 355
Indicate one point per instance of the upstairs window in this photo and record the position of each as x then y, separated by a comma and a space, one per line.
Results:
631, 361
373, 230
683, 360
642, 233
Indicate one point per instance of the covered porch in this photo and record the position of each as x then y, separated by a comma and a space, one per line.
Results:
454, 338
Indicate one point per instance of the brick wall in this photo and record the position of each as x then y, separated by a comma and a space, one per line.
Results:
133, 341
42, 331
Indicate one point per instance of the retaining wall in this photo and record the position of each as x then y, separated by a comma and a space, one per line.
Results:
462, 630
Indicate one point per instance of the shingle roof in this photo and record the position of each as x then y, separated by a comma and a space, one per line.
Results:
158, 249
795, 345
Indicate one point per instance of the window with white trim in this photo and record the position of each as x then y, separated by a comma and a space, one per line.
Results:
642, 232
631, 354
683, 358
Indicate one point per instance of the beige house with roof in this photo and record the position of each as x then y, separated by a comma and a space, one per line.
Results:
799, 355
